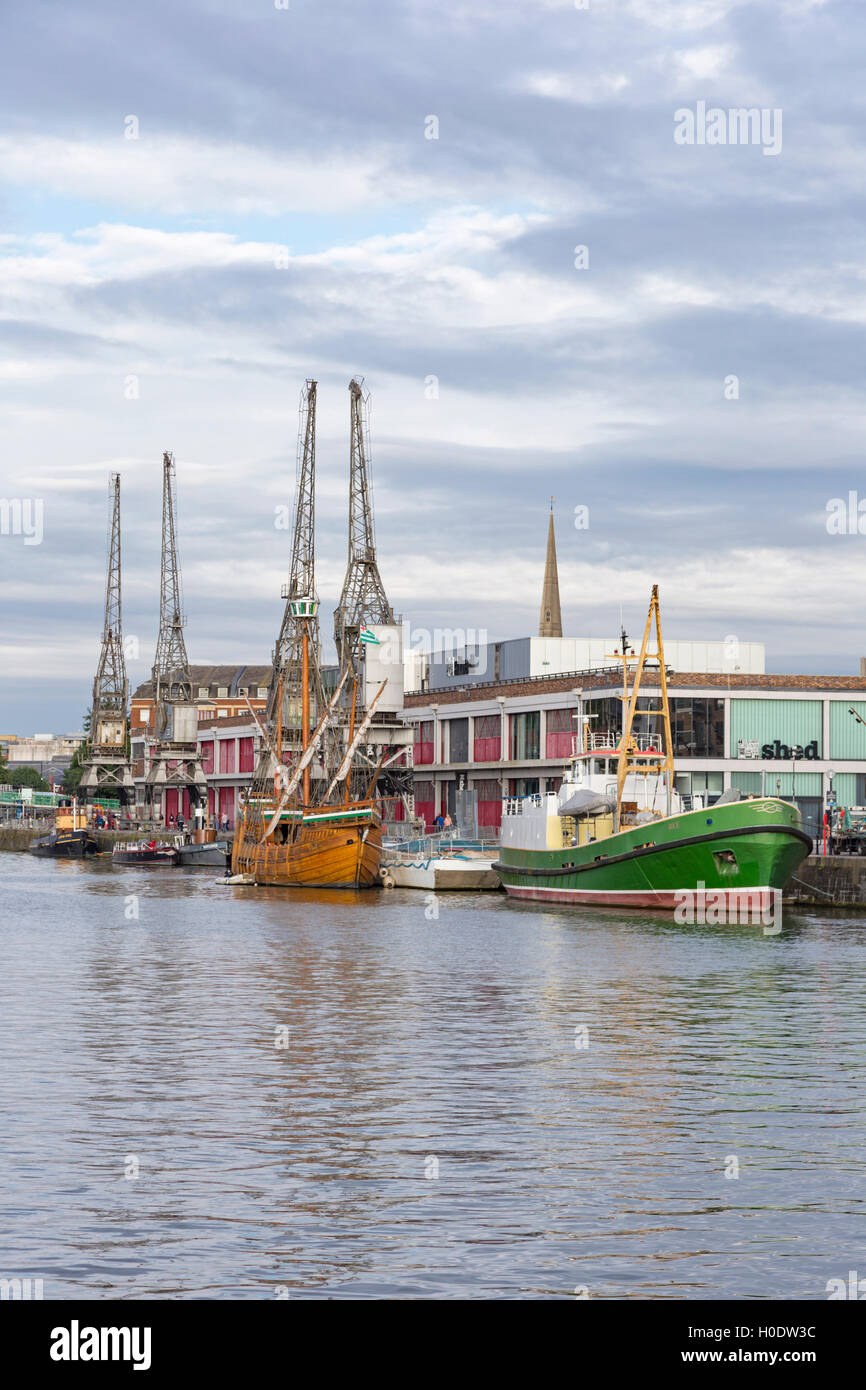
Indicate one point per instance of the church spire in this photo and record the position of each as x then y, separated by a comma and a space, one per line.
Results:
550, 623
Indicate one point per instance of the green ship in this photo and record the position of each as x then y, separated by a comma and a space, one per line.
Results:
617, 833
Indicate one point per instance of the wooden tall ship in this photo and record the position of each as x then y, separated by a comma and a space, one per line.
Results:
302, 823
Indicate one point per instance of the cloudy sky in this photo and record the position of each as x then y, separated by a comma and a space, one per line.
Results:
282, 213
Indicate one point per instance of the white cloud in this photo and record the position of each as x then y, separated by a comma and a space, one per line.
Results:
702, 64
180, 175
576, 87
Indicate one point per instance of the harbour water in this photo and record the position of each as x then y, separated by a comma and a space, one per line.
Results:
235, 1093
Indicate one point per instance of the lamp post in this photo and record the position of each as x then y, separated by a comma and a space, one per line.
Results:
831, 808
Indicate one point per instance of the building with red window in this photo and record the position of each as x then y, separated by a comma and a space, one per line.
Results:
227, 735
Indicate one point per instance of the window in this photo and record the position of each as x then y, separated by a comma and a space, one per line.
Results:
698, 728
245, 755
525, 729
605, 716
423, 750
458, 740
227, 755
487, 745
222, 692
202, 692
708, 785
263, 692
562, 730
523, 786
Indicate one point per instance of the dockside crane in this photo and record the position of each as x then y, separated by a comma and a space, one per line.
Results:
386, 752
107, 767
363, 600
281, 749
174, 761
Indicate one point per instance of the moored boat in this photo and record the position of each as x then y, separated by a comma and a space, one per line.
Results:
214, 854
294, 829
65, 844
740, 852
146, 852
72, 836
316, 847
617, 834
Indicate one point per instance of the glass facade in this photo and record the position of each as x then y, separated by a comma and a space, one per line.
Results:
698, 728
709, 785
604, 715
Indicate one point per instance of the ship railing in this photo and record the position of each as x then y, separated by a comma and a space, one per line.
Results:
433, 847
608, 741
515, 805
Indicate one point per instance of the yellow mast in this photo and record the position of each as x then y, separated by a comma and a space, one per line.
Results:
351, 734
305, 709
630, 759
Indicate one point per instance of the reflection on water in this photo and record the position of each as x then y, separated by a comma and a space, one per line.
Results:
283, 1069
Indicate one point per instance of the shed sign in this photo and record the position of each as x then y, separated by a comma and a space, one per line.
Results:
779, 752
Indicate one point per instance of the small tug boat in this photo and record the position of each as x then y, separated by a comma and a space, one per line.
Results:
71, 837
213, 854
617, 834
146, 852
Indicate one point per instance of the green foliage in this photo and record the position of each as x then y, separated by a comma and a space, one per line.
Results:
26, 777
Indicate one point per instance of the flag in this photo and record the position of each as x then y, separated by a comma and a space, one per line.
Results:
368, 636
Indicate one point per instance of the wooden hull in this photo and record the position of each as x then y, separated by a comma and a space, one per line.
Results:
319, 852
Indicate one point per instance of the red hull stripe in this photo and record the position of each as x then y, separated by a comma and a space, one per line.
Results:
758, 898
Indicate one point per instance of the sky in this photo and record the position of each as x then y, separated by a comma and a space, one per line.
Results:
204, 203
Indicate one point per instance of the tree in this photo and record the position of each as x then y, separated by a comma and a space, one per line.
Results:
26, 777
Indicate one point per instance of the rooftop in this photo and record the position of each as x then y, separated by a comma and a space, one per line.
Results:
612, 680
230, 678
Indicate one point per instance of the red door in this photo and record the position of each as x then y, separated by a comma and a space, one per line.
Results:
170, 805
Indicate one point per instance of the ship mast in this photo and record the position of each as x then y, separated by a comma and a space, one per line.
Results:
296, 693
107, 764
631, 758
